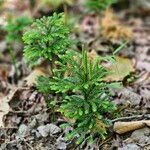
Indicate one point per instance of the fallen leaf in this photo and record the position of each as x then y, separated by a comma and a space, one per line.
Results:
123, 127
31, 79
112, 29
119, 69
142, 78
4, 71
141, 135
4, 106
92, 55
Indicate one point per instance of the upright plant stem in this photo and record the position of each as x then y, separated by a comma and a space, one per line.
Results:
53, 118
66, 14
13, 59
52, 65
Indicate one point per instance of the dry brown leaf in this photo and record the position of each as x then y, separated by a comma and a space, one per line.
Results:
92, 54
123, 127
5, 102
142, 78
31, 79
4, 106
112, 29
4, 71
119, 69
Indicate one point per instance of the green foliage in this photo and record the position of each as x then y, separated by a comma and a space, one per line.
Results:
15, 28
89, 102
43, 84
47, 38
77, 78
98, 5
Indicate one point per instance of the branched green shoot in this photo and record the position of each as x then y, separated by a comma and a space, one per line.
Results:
98, 5
15, 28
47, 38
89, 104
77, 78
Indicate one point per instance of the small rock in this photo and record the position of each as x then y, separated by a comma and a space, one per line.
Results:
131, 96
18, 120
130, 147
53, 128
43, 131
60, 144
141, 136
23, 131
41, 118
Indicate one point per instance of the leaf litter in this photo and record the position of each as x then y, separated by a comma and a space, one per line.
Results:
25, 119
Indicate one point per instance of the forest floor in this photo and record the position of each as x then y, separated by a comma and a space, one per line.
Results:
27, 121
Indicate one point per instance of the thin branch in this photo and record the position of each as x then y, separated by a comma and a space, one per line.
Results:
8, 127
28, 145
145, 116
18, 112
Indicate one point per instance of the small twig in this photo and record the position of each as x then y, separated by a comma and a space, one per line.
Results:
105, 141
18, 112
8, 127
143, 145
28, 145
147, 116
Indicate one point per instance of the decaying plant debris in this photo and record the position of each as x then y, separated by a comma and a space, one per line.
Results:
74, 75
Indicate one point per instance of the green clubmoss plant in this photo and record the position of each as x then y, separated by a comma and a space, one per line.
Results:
86, 99
14, 29
98, 5
47, 38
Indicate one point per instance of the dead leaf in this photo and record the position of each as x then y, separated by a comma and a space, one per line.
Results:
4, 71
4, 106
31, 79
142, 78
112, 29
92, 55
123, 127
118, 70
